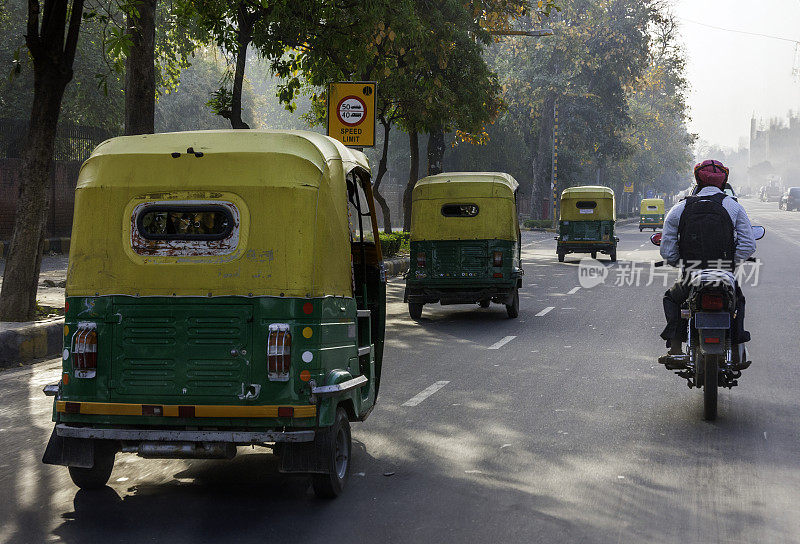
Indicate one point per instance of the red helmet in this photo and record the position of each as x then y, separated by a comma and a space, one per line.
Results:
711, 172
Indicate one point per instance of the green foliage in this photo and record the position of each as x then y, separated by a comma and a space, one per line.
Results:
538, 223
394, 243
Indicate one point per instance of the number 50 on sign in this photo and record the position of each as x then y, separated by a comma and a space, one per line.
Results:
351, 113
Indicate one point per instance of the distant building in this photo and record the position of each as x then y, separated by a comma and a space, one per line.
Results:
774, 152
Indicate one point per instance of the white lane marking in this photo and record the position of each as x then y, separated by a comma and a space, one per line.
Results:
573, 290
501, 343
425, 393
544, 312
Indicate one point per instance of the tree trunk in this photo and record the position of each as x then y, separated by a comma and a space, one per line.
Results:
53, 57
244, 36
413, 176
21, 275
543, 165
140, 74
382, 168
435, 151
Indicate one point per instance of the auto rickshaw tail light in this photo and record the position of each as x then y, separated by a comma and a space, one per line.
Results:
84, 349
497, 258
709, 301
279, 352
422, 260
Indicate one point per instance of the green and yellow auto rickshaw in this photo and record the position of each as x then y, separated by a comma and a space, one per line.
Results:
465, 242
586, 222
652, 216
224, 289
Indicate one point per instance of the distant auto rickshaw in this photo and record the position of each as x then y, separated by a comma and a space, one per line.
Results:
224, 289
652, 214
586, 223
465, 242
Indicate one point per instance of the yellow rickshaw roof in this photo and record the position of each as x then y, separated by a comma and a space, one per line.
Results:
311, 147
652, 200
498, 182
587, 191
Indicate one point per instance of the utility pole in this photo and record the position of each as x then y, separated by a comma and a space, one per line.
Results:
554, 173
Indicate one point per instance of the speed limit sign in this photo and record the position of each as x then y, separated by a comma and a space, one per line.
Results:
351, 113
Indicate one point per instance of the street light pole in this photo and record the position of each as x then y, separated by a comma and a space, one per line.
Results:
538, 33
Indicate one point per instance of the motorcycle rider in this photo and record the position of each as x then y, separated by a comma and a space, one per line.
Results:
708, 227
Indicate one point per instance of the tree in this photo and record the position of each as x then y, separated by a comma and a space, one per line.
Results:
53, 28
140, 76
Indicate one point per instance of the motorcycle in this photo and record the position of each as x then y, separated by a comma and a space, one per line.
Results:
711, 360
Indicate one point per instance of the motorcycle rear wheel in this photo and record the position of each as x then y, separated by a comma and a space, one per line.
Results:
710, 382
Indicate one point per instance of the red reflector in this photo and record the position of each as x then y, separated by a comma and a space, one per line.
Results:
185, 411
65, 378
711, 340
285, 411
66, 307
308, 308
498, 274
422, 260
150, 410
711, 301
72, 408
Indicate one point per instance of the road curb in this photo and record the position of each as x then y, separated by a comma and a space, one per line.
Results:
31, 341
396, 266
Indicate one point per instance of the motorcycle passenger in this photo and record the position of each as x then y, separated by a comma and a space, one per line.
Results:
703, 231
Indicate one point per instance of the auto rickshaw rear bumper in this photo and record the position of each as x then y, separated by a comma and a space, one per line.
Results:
459, 295
242, 438
586, 247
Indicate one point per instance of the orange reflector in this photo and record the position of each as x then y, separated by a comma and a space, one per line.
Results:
65, 378
72, 407
711, 340
150, 410
305, 375
185, 411
285, 411
308, 308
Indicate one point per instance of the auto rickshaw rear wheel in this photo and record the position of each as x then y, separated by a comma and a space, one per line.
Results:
415, 310
337, 452
484, 303
97, 476
561, 256
613, 255
594, 254
513, 309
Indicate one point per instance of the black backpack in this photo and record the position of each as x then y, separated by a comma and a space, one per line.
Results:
705, 233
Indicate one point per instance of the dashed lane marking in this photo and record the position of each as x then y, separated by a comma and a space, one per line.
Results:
501, 343
573, 290
425, 393
545, 311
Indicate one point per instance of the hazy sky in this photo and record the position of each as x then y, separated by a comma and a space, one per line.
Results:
733, 75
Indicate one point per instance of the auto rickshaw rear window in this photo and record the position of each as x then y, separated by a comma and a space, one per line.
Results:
586, 204
460, 210
654, 208
185, 222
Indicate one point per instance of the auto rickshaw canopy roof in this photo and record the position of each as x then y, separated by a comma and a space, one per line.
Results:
493, 193
657, 202
598, 199
286, 190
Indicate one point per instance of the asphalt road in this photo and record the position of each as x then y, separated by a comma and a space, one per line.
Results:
558, 426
